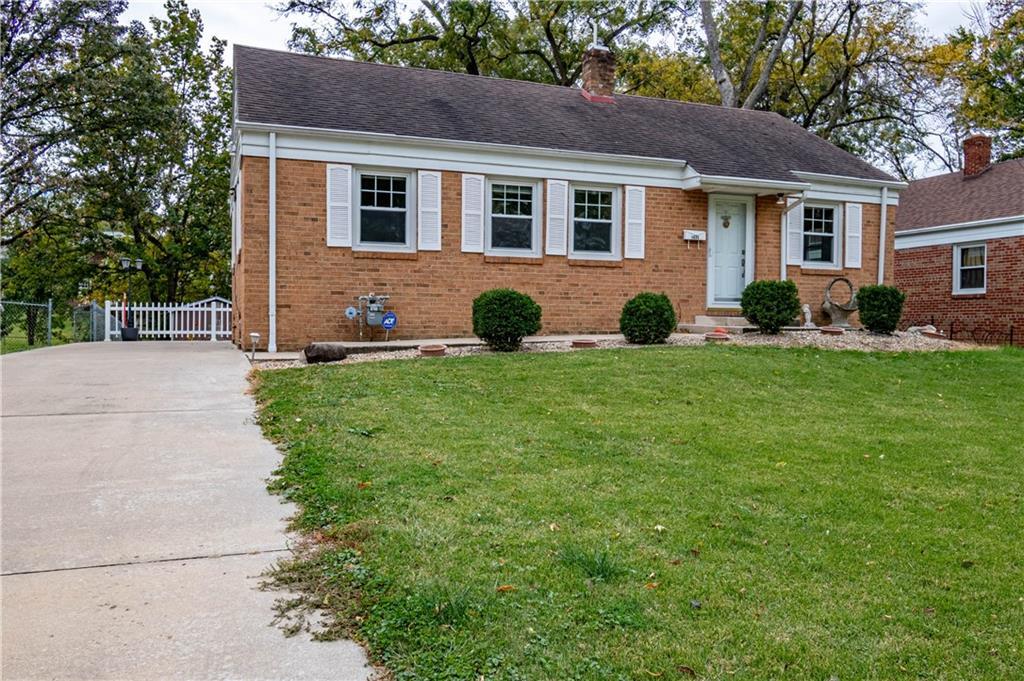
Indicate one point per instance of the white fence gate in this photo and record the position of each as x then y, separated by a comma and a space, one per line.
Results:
207, 319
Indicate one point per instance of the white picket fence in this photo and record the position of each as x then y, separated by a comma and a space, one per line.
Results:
208, 319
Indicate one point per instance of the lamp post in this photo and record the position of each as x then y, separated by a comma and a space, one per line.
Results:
126, 267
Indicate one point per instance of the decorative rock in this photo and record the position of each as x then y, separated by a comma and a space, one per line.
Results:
933, 334
582, 343
716, 337
436, 350
832, 331
317, 353
921, 329
839, 313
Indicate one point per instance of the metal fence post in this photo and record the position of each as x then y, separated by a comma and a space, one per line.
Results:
49, 321
106, 320
213, 320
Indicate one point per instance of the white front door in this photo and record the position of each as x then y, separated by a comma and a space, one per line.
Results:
728, 251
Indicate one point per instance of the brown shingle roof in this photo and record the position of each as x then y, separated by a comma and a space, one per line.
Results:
952, 198
284, 88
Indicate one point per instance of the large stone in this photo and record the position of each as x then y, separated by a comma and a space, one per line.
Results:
317, 353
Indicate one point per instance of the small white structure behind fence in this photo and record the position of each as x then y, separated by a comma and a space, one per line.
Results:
207, 319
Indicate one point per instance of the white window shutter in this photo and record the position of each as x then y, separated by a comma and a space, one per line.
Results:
558, 217
339, 205
635, 221
473, 213
854, 234
795, 236
429, 207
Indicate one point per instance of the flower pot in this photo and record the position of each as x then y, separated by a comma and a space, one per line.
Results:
583, 343
437, 350
129, 333
716, 337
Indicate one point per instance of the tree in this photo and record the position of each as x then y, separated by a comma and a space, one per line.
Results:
538, 40
50, 56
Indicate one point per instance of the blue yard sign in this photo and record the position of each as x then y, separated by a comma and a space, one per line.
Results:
389, 321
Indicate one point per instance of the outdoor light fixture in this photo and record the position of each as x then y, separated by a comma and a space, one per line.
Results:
255, 338
126, 263
780, 199
138, 263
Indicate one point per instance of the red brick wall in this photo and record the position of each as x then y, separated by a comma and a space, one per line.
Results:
925, 274
432, 292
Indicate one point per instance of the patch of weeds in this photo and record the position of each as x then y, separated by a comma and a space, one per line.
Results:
598, 565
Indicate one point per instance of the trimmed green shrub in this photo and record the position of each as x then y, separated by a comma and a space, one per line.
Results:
880, 307
502, 317
770, 304
647, 318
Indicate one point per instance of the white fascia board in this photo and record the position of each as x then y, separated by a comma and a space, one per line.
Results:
846, 180
711, 183
473, 157
981, 230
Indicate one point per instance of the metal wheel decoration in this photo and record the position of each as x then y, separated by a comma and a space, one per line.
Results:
839, 313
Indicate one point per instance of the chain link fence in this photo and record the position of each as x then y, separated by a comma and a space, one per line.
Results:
25, 325
87, 323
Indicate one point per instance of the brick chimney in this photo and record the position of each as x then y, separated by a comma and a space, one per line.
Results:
598, 74
977, 154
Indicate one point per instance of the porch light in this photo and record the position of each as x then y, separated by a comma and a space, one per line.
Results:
780, 199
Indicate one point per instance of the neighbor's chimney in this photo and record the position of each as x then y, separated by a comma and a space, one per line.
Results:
977, 154
598, 73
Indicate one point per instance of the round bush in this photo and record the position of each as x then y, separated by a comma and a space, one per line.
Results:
880, 307
647, 318
770, 304
502, 317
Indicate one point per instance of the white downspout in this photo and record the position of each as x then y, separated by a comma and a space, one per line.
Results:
272, 254
881, 235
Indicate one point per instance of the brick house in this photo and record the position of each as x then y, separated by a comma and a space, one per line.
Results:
960, 248
350, 178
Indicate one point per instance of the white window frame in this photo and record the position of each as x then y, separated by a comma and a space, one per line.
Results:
957, 248
616, 253
535, 235
358, 244
837, 237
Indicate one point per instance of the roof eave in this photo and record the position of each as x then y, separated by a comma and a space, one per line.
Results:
451, 143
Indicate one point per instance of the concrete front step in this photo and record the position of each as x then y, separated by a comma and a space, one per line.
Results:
703, 323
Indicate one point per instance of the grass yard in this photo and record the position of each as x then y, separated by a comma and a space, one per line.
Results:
666, 513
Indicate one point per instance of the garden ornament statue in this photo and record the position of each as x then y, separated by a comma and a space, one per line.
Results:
808, 324
840, 312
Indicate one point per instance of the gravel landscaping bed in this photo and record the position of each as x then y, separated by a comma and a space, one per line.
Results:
851, 340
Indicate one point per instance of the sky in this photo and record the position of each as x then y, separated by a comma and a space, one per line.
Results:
254, 22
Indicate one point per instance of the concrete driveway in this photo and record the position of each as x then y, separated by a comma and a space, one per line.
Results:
136, 520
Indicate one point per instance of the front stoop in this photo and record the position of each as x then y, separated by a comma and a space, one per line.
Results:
703, 323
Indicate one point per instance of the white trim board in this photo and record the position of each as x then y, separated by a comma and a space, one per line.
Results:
508, 162
951, 234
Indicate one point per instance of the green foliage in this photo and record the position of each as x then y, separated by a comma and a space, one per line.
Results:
880, 307
598, 565
486, 468
502, 317
770, 304
647, 318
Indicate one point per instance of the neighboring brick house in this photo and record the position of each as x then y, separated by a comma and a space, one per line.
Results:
960, 248
350, 178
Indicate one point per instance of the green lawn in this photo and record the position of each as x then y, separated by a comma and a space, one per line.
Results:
665, 513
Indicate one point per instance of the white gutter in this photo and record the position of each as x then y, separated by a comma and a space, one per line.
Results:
881, 233
844, 179
962, 225
463, 144
272, 237
748, 182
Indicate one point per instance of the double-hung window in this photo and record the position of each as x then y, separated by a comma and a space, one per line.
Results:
969, 268
595, 223
821, 236
513, 218
385, 211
